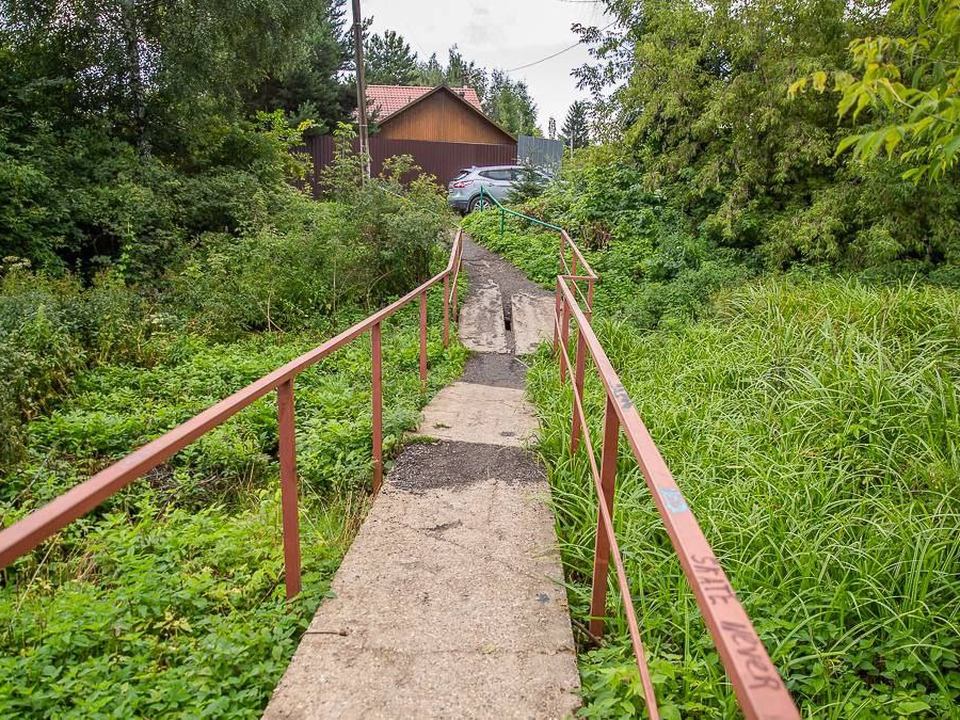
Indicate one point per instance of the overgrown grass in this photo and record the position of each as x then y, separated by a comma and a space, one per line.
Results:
658, 277
168, 600
814, 428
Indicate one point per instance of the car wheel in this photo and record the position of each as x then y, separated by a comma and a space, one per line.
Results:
475, 203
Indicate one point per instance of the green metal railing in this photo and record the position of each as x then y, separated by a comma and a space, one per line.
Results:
507, 211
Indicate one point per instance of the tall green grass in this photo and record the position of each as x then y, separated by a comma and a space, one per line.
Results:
814, 428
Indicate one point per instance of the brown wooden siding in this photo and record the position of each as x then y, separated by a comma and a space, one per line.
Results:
443, 118
440, 159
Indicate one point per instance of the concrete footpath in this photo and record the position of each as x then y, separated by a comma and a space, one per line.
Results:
449, 603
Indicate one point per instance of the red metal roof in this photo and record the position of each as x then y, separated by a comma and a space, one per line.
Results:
385, 100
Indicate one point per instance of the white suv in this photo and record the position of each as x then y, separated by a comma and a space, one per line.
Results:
463, 192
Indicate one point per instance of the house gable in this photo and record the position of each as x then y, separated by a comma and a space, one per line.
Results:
441, 115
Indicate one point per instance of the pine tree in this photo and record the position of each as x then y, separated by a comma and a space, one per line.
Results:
576, 127
509, 104
530, 184
390, 61
552, 129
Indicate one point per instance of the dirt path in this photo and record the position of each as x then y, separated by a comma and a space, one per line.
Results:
450, 602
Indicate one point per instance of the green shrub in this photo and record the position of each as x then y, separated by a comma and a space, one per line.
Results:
172, 589
652, 274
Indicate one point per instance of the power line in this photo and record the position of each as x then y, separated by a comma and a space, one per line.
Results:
559, 52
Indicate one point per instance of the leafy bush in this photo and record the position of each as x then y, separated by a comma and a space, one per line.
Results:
655, 273
51, 328
172, 588
173, 613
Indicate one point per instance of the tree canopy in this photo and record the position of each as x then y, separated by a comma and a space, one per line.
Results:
705, 114
129, 126
910, 82
390, 61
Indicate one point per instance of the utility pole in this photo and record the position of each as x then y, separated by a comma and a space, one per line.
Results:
361, 89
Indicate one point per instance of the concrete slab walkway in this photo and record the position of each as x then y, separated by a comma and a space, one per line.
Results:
449, 603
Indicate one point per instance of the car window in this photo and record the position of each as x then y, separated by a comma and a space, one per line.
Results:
496, 174
514, 174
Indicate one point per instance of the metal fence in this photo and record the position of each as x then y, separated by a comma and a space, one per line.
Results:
441, 159
542, 153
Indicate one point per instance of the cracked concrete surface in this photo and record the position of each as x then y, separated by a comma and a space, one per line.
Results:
532, 321
482, 326
500, 293
476, 413
450, 603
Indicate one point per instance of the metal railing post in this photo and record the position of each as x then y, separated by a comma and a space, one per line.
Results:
578, 378
288, 488
377, 403
556, 314
589, 311
601, 553
502, 214
455, 290
446, 310
423, 341
564, 332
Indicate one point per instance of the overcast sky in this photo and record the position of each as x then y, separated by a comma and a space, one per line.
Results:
498, 34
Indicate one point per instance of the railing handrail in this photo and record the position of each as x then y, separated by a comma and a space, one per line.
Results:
24, 535
756, 682
564, 236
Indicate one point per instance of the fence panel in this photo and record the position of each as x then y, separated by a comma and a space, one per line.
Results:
440, 159
543, 153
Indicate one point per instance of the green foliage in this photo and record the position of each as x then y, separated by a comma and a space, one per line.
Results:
575, 132
530, 184
813, 427
508, 103
706, 119
457, 73
173, 613
654, 269
122, 136
148, 226
172, 589
912, 82
309, 86
50, 329
390, 61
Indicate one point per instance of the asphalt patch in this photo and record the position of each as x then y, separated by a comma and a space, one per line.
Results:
451, 464
495, 369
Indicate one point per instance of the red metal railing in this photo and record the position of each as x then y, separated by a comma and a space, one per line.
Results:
756, 682
25, 535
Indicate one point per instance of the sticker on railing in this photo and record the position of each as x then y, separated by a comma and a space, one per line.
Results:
620, 393
673, 499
